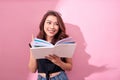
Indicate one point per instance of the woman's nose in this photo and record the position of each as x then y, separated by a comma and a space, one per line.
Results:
52, 26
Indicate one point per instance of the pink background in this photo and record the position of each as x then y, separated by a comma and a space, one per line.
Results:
94, 24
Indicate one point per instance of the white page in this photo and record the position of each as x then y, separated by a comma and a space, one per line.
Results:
62, 50
65, 50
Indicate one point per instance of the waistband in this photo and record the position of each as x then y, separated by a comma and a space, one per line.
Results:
50, 75
62, 75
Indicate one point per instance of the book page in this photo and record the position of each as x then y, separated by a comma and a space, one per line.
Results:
65, 50
40, 43
62, 50
41, 52
68, 39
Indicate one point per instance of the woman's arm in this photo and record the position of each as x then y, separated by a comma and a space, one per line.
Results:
64, 65
32, 63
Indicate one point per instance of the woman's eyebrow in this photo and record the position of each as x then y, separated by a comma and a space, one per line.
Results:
48, 20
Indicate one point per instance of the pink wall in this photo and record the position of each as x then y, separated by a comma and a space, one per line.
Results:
18, 20
96, 26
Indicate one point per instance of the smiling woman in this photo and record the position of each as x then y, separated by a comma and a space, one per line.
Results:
52, 29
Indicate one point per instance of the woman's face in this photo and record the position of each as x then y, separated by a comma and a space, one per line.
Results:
51, 26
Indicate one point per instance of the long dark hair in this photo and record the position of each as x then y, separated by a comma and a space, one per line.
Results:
62, 30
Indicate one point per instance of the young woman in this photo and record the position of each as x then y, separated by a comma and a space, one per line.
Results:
52, 67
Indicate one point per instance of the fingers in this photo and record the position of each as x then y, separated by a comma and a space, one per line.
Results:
48, 57
53, 58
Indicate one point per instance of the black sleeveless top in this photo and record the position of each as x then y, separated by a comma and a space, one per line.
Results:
46, 66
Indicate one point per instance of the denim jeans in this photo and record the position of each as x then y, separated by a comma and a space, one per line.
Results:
61, 76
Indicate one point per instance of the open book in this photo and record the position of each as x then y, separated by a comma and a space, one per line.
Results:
63, 48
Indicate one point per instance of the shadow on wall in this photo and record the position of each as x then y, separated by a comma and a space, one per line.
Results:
81, 67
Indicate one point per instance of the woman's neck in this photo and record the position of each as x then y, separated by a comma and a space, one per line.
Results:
49, 39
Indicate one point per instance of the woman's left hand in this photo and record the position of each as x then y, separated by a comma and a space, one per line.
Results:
57, 60
54, 58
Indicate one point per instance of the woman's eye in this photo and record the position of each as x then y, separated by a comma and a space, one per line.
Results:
48, 22
56, 23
